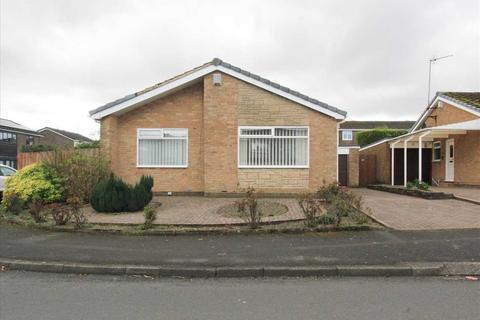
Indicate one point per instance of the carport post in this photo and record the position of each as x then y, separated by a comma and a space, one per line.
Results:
393, 161
405, 143
420, 156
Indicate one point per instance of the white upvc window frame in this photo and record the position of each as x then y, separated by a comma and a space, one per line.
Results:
436, 145
347, 138
272, 136
165, 138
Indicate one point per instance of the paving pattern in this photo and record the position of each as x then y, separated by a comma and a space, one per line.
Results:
410, 213
466, 193
193, 210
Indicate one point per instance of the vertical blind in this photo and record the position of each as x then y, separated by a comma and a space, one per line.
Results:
273, 147
163, 147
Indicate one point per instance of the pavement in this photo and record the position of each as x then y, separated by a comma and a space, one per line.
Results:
402, 212
318, 254
469, 194
44, 296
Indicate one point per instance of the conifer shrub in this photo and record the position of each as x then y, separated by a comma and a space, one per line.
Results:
114, 195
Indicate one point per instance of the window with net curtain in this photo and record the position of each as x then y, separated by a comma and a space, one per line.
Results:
162, 147
273, 147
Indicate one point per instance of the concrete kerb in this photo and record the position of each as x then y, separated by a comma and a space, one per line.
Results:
400, 270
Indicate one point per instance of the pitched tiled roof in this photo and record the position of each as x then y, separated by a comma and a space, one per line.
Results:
68, 134
468, 99
6, 124
218, 62
377, 124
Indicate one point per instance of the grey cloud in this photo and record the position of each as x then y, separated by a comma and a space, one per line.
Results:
63, 58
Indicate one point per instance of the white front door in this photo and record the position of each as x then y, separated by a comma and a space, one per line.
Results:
449, 160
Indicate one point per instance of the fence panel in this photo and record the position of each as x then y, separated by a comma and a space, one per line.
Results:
27, 158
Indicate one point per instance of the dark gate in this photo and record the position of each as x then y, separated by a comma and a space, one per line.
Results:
343, 169
367, 169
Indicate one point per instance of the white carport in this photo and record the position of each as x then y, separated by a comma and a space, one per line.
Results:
423, 138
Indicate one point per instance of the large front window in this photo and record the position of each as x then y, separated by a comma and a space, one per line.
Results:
273, 147
162, 148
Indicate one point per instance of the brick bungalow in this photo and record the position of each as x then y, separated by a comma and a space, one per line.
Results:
218, 128
442, 147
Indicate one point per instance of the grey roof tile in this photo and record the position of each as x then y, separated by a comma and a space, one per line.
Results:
219, 62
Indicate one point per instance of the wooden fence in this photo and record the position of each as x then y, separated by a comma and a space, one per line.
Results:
27, 158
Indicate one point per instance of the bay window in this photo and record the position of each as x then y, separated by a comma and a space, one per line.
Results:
161, 147
273, 147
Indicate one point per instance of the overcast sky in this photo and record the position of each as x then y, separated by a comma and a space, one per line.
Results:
60, 59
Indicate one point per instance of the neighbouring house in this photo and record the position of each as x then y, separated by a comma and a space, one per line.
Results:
12, 137
218, 128
348, 157
62, 138
441, 148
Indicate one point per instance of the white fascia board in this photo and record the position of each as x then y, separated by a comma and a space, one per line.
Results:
428, 110
155, 93
165, 89
281, 93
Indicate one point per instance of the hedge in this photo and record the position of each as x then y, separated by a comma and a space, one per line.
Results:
37, 148
367, 137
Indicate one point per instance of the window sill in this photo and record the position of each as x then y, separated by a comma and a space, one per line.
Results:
162, 167
273, 167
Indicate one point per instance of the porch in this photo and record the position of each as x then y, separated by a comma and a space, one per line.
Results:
430, 155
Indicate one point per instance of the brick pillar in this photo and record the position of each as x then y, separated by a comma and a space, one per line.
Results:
108, 140
220, 134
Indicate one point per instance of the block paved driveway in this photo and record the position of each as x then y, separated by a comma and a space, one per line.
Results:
192, 210
410, 213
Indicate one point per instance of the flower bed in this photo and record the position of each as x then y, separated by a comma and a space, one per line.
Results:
430, 195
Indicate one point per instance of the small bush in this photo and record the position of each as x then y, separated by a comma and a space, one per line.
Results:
311, 208
13, 203
79, 219
61, 213
340, 202
327, 219
328, 192
248, 208
36, 210
35, 181
150, 215
114, 195
417, 184
367, 137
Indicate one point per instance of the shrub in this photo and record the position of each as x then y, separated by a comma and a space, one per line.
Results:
37, 148
340, 202
248, 208
367, 137
13, 203
327, 219
35, 181
150, 215
311, 208
36, 208
328, 192
417, 184
61, 214
88, 145
79, 219
114, 195
80, 170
